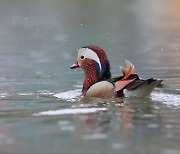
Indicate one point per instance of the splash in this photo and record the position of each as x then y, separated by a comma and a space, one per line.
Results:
168, 99
165, 98
70, 96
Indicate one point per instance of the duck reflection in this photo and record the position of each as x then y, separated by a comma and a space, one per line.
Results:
119, 117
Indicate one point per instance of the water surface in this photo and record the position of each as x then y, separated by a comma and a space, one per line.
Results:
38, 43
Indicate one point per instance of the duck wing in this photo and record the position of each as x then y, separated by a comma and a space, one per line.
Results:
131, 85
128, 77
140, 82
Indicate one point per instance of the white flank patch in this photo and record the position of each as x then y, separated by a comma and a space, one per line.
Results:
70, 111
169, 99
69, 95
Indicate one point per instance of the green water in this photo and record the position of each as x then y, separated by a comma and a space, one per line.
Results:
39, 41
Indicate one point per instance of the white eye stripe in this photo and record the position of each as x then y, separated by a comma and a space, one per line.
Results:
90, 54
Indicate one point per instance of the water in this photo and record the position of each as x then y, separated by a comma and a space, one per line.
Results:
38, 43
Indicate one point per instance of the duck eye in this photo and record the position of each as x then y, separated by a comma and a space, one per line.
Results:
82, 57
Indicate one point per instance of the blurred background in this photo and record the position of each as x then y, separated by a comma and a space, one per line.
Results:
39, 40
44, 32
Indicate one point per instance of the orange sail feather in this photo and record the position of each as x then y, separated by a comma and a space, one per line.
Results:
127, 71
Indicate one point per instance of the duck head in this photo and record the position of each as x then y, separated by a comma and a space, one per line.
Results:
93, 60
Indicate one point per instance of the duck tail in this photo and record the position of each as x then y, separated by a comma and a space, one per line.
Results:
128, 70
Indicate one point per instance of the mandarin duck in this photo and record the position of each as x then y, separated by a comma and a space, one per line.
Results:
98, 81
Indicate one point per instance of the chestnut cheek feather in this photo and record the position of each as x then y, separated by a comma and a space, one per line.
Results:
91, 75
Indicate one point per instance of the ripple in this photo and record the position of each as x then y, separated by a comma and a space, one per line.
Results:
70, 111
4, 95
152, 125
66, 126
25, 94
94, 136
64, 122
148, 116
118, 146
